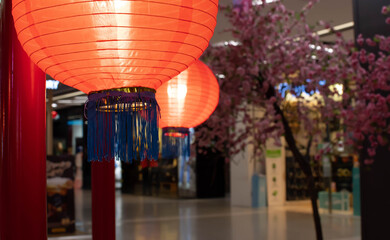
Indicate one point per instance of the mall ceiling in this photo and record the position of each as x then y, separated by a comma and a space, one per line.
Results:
336, 12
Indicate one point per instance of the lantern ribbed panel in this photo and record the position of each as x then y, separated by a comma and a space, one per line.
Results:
188, 99
98, 45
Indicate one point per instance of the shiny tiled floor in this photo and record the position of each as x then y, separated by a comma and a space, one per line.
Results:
141, 218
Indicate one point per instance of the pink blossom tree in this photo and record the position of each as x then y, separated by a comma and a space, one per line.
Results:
275, 48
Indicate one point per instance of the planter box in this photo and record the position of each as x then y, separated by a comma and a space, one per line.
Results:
340, 200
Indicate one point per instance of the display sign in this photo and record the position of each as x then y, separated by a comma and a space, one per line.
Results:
60, 194
52, 84
276, 174
342, 172
274, 153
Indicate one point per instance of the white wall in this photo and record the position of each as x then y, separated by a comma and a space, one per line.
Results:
241, 171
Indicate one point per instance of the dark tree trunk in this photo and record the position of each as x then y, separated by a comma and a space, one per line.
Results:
305, 166
303, 161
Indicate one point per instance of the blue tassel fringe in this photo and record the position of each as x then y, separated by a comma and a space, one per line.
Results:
118, 129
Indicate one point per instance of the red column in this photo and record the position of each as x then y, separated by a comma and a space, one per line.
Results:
23, 150
103, 200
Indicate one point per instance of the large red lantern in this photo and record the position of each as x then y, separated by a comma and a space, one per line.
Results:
185, 102
118, 52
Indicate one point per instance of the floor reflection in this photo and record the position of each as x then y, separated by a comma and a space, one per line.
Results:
143, 218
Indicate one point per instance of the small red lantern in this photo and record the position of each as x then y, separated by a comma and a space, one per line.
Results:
189, 98
119, 52
185, 102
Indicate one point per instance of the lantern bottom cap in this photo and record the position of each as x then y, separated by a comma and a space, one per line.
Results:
122, 125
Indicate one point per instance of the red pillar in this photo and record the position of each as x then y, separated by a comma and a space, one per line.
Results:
103, 200
22, 150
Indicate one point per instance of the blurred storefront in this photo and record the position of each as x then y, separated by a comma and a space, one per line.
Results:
177, 176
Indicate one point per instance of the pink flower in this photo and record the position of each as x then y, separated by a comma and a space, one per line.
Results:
240, 71
385, 10
310, 4
360, 40
246, 87
370, 42
363, 58
358, 136
254, 70
368, 161
388, 20
380, 139
273, 18
227, 101
371, 57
